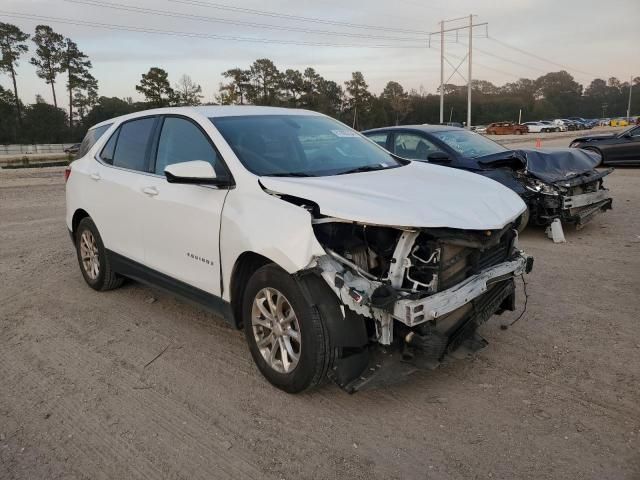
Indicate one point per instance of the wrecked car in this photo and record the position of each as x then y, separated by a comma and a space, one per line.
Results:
560, 184
338, 259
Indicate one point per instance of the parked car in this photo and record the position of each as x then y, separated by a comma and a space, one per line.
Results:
604, 122
558, 183
613, 149
299, 230
619, 122
584, 123
571, 126
479, 128
506, 128
539, 127
554, 127
73, 149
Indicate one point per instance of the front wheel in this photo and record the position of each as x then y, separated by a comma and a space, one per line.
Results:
287, 337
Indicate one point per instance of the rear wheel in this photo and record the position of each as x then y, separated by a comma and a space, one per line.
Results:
92, 258
287, 337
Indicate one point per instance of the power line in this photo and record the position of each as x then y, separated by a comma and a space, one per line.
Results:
533, 55
111, 26
166, 13
220, 6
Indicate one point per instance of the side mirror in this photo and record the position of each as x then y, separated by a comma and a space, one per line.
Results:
439, 157
194, 172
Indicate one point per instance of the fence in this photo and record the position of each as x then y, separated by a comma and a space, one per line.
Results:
30, 149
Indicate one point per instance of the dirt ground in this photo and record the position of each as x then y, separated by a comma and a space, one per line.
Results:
555, 396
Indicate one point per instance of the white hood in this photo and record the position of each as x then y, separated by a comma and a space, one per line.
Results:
415, 195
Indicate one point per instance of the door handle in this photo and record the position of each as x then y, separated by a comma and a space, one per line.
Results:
151, 191
95, 176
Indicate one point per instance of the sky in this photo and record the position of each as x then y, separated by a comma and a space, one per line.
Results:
588, 38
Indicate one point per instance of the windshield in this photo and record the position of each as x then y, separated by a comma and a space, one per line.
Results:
469, 144
300, 145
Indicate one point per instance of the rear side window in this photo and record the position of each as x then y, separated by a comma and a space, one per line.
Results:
131, 144
90, 139
379, 138
182, 141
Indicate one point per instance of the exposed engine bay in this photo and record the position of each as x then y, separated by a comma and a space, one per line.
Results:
423, 292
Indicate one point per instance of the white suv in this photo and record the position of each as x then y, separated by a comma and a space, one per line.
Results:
315, 240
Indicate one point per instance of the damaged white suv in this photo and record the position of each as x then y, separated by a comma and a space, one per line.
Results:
338, 259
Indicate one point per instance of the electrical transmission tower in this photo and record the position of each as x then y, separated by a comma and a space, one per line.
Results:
468, 57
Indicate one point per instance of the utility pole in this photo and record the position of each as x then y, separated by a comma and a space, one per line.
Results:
469, 75
442, 72
444, 59
629, 104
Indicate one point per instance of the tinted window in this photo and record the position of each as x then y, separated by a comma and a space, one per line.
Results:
379, 138
410, 145
131, 146
90, 139
106, 155
469, 144
182, 141
300, 145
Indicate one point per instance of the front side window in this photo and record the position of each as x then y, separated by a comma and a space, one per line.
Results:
413, 146
469, 144
90, 139
300, 145
182, 141
131, 144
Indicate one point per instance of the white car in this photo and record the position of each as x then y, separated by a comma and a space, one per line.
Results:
539, 127
564, 126
337, 258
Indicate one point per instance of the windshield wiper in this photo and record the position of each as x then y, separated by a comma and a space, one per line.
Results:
364, 168
289, 174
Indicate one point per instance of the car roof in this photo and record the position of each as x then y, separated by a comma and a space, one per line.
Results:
212, 111
415, 128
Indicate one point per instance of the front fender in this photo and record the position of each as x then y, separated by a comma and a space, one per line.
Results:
264, 224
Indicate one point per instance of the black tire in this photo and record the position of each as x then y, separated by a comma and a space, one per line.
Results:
106, 278
316, 353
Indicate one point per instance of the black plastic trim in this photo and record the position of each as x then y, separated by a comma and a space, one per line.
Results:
136, 271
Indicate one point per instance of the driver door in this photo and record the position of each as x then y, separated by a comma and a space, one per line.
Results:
182, 221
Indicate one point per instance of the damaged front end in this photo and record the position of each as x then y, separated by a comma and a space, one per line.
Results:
420, 293
577, 199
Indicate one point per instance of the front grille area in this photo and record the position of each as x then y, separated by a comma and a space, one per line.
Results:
451, 264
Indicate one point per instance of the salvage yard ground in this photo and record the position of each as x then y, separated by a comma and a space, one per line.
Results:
555, 396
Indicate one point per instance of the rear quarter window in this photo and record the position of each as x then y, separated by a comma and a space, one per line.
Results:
90, 139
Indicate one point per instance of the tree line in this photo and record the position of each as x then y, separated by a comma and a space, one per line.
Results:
57, 58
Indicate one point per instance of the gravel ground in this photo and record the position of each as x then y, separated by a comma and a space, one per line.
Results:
554, 396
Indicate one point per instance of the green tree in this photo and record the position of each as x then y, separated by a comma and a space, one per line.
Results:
110, 107
49, 56
156, 88
86, 98
265, 83
187, 92
77, 66
236, 90
8, 109
359, 100
11, 48
44, 123
561, 90
293, 85
397, 100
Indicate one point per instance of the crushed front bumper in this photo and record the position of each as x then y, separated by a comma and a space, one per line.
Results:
415, 312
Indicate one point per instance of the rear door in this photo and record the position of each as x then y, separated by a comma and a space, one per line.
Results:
116, 206
182, 222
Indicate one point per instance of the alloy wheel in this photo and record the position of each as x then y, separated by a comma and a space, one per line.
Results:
89, 254
276, 330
